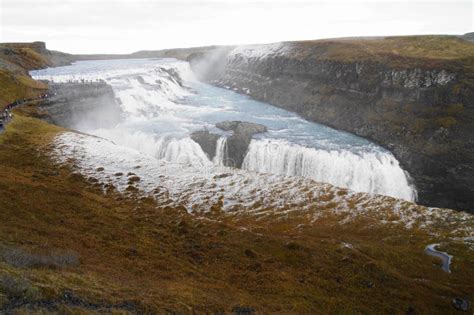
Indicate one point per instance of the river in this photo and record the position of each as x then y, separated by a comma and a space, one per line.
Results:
162, 103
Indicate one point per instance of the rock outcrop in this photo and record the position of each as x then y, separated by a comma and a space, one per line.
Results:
404, 93
207, 141
237, 143
82, 106
241, 127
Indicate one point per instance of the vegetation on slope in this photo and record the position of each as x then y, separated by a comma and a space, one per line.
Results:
15, 62
427, 51
78, 246
16, 59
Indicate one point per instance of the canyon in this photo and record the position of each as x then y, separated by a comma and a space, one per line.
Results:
412, 95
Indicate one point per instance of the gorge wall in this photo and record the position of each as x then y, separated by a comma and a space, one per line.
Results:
412, 95
81, 106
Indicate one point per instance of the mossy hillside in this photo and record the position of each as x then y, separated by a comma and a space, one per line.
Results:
18, 86
402, 52
15, 62
136, 255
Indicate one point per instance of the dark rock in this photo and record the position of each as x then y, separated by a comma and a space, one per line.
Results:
237, 143
461, 304
243, 310
237, 146
82, 105
223, 175
410, 311
400, 108
207, 141
241, 127
256, 267
250, 253
293, 246
468, 36
133, 179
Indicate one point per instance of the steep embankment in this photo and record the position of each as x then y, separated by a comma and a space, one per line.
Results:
72, 242
16, 59
413, 95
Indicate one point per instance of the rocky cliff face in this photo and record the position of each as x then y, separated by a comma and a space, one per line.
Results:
82, 106
403, 93
236, 145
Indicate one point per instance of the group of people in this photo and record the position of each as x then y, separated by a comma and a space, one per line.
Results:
6, 113
81, 81
6, 116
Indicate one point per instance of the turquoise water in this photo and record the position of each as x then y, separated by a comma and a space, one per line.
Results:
163, 102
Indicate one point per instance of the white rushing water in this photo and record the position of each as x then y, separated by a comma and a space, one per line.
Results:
221, 151
163, 104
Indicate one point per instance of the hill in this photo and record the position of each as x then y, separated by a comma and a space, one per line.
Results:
16, 59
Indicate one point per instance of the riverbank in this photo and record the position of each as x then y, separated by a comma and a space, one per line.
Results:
412, 95
171, 260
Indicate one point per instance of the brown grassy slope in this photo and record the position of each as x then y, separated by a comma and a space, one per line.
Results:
16, 59
137, 256
427, 51
15, 62
18, 86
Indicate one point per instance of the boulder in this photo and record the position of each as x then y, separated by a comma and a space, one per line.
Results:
461, 304
237, 143
243, 127
207, 141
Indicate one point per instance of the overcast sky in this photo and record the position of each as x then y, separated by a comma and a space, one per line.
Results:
124, 26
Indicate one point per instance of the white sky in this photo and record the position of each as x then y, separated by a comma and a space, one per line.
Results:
124, 26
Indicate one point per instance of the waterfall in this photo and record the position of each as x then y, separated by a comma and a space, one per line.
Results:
221, 151
166, 147
372, 172
162, 104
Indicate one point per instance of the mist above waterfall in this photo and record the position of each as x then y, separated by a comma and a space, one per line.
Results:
162, 103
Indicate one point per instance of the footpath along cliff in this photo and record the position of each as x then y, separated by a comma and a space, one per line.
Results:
16, 59
413, 95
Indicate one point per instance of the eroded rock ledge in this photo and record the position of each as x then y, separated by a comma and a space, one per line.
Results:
421, 109
237, 143
82, 105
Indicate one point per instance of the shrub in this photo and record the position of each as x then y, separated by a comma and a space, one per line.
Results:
55, 259
446, 122
455, 109
16, 287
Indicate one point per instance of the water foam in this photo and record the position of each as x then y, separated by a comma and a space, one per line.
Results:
163, 103
221, 151
376, 173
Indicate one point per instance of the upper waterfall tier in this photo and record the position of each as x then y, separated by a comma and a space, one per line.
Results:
162, 104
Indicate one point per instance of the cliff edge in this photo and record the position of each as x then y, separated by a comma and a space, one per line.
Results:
16, 59
413, 95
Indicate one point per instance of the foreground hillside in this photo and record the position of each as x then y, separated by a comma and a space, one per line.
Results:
70, 243
413, 95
